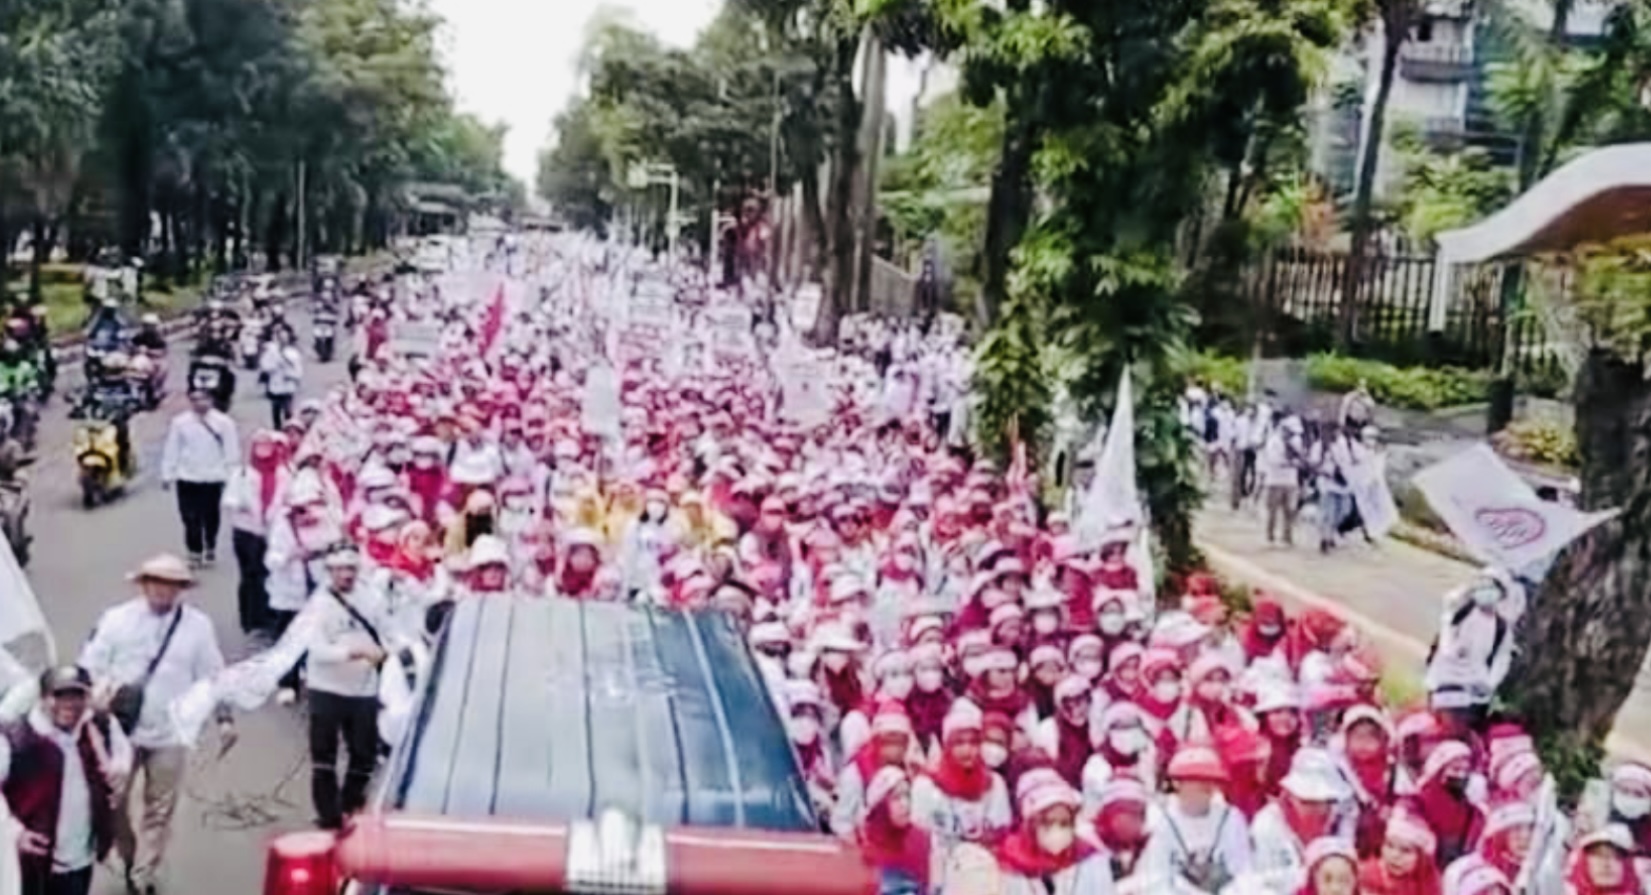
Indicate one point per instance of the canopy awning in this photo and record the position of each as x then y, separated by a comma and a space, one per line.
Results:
1594, 199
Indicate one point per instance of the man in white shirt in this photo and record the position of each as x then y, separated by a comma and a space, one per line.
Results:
282, 366
344, 662
59, 767
202, 450
161, 646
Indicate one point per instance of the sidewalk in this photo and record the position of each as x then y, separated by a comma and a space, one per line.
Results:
1390, 590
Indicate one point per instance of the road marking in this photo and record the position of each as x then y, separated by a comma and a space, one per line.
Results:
1231, 565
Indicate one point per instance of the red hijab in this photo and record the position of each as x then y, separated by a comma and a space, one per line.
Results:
968, 784
889, 848
1376, 879
1019, 854
1579, 882
1256, 644
1243, 753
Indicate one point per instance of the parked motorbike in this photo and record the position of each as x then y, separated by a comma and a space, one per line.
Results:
103, 453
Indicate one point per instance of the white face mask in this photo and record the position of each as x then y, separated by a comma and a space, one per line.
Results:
1046, 623
1089, 669
1630, 805
835, 662
805, 730
1127, 740
1111, 622
1487, 596
930, 680
897, 686
1213, 692
1055, 840
994, 754
1166, 691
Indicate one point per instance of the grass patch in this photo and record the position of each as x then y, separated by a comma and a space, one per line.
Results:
1401, 686
67, 311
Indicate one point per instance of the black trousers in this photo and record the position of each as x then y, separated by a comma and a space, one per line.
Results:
38, 879
281, 620
199, 504
280, 409
354, 721
252, 599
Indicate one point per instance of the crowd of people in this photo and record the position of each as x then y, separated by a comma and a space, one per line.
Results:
977, 686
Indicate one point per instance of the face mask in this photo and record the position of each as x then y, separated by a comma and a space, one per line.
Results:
1044, 623
423, 462
1166, 691
1087, 668
835, 662
1631, 806
1055, 840
930, 680
1213, 692
1112, 622
994, 754
1269, 631
897, 686
1126, 741
1485, 597
805, 731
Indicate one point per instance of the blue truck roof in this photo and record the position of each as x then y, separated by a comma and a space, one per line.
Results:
557, 710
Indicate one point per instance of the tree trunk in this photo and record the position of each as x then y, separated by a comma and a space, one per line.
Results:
1582, 643
1393, 38
1008, 209
42, 253
871, 147
839, 212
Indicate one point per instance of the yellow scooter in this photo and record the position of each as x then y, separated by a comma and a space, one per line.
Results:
102, 456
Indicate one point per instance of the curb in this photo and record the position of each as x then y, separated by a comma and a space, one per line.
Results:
1393, 644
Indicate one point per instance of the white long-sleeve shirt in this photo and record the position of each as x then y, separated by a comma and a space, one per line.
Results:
1179, 843
242, 502
202, 448
72, 845
331, 670
127, 639
283, 369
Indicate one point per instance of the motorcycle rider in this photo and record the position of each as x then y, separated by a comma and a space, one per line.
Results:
149, 336
19, 382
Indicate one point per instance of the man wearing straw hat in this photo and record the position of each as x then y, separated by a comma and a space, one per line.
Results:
144, 654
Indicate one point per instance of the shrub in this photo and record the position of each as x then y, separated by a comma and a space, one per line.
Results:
1539, 441
1230, 374
1406, 388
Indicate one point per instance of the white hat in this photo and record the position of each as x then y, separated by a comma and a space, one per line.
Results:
376, 476
892, 662
379, 517
836, 638
488, 551
886, 782
1071, 687
1275, 696
963, 715
768, 634
1047, 794
801, 693
846, 587
342, 558
164, 567
1313, 777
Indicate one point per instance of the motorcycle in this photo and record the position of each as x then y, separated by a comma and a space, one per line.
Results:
14, 516
147, 373
102, 454
20, 420
325, 329
212, 374
251, 344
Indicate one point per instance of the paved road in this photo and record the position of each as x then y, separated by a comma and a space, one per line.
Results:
1392, 590
261, 787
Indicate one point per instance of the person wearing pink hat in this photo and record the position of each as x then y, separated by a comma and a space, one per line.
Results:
996, 687
1602, 864
1066, 736
1160, 697
1200, 840
1365, 749
1332, 868
890, 746
1442, 800
1045, 856
1122, 748
1046, 667
931, 698
1404, 865
1086, 657
892, 673
1475, 877
1121, 827
1122, 680
1629, 803
1209, 704
959, 799
889, 841
1313, 803
1506, 838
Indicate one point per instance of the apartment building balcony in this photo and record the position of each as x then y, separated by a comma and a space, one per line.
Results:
1436, 63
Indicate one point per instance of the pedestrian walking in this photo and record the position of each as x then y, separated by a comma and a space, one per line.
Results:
342, 683
282, 370
145, 653
202, 450
1279, 466
250, 501
60, 768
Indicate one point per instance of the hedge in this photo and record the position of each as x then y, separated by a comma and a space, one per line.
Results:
1406, 388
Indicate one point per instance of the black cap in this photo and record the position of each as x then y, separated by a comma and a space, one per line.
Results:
65, 678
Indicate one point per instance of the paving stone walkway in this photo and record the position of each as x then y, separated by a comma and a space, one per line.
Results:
1391, 589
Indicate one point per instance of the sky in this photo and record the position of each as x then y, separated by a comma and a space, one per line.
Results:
513, 60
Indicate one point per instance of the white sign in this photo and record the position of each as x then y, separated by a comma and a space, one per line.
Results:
1113, 500
1495, 514
730, 329
803, 381
600, 407
805, 307
415, 338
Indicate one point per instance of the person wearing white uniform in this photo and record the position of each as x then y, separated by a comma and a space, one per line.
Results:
158, 646
1043, 857
202, 450
344, 661
1198, 840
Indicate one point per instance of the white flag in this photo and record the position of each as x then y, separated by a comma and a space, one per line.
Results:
1495, 514
20, 615
1113, 499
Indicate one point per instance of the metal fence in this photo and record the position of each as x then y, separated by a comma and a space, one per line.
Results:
1297, 298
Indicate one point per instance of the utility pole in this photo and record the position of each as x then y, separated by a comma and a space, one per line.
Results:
303, 231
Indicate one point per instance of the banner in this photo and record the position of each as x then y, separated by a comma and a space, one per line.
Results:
415, 338
600, 408
20, 620
1495, 514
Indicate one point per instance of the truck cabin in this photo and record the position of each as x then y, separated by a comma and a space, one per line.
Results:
559, 746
